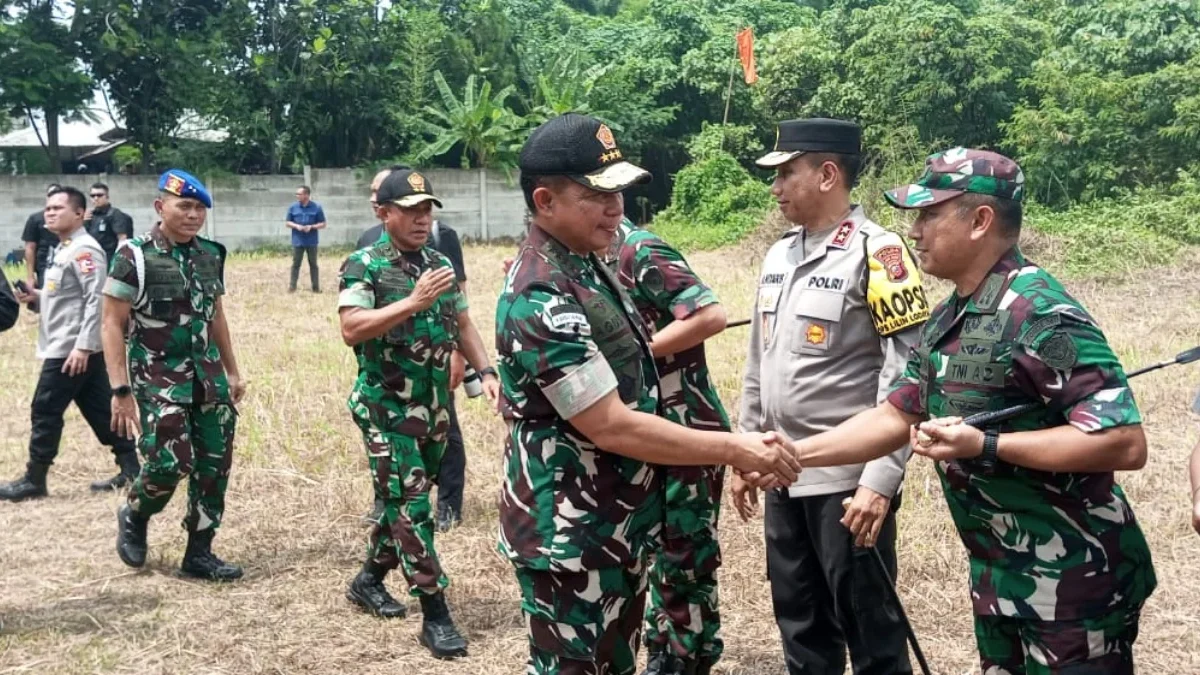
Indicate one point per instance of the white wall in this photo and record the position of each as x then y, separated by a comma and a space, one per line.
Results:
249, 211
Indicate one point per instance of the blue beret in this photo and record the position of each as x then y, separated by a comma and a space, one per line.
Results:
184, 184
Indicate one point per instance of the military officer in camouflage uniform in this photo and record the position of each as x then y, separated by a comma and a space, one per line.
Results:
1059, 567
839, 305
182, 379
683, 620
403, 313
582, 495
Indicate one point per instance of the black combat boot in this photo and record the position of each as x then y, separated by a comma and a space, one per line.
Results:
199, 561
659, 660
446, 519
705, 664
131, 536
438, 632
30, 486
129, 470
367, 591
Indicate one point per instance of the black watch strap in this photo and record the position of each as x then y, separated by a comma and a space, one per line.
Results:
991, 448
489, 371
122, 391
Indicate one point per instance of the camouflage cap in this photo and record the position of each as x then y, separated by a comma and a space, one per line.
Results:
957, 171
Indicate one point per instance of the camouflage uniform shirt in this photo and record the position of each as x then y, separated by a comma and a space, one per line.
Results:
664, 289
567, 335
172, 356
404, 374
1043, 545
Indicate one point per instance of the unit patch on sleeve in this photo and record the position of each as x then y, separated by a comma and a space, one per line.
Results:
895, 293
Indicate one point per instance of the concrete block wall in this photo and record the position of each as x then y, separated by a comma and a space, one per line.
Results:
249, 211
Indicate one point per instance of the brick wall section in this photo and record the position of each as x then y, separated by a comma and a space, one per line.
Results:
249, 211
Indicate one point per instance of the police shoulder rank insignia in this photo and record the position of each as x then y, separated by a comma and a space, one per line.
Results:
842, 236
895, 294
605, 136
87, 265
417, 181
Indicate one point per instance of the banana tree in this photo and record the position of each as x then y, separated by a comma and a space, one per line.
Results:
479, 122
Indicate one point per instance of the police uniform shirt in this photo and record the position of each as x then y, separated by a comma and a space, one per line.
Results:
834, 320
70, 297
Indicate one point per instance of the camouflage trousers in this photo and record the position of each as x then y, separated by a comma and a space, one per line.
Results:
193, 440
583, 623
683, 611
403, 469
1098, 646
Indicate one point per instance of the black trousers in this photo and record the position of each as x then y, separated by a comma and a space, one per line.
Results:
92, 395
297, 256
829, 594
453, 474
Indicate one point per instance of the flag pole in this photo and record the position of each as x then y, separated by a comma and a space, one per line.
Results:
729, 90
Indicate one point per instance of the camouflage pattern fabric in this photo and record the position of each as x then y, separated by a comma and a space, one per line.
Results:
403, 375
683, 610
576, 521
400, 400
404, 469
582, 623
956, 171
565, 504
1042, 545
175, 370
1021, 647
172, 357
192, 440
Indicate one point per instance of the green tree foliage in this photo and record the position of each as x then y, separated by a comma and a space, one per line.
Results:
479, 123
715, 203
38, 69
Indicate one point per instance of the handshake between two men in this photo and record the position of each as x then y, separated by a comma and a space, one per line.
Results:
867, 436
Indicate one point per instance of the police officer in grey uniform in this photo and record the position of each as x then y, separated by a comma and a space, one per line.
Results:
839, 304
69, 346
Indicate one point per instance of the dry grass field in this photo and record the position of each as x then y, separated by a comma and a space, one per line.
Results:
300, 485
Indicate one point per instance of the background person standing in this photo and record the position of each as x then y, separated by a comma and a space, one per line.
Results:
107, 224
38, 242
304, 219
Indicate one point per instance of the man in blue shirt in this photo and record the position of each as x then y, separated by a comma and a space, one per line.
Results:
304, 218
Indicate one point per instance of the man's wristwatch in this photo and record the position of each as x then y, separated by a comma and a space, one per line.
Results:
488, 371
991, 446
122, 391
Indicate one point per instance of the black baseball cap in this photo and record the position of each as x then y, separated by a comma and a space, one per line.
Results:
406, 188
796, 137
583, 149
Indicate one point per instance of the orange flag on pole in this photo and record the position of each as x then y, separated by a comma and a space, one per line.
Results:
745, 50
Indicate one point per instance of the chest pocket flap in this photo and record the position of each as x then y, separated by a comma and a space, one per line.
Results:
818, 315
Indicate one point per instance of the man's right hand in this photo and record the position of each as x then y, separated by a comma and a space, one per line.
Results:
745, 497
431, 285
125, 421
770, 454
507, 264
1196, 515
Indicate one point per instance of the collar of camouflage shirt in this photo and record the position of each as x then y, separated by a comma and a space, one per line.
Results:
985, 300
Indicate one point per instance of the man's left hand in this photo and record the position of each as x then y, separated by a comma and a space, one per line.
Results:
865, 515
946, 439
26, 298
76, 362
458, 367
491, 390
237, 387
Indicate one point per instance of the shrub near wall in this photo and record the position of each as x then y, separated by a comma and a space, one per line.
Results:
715, 203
